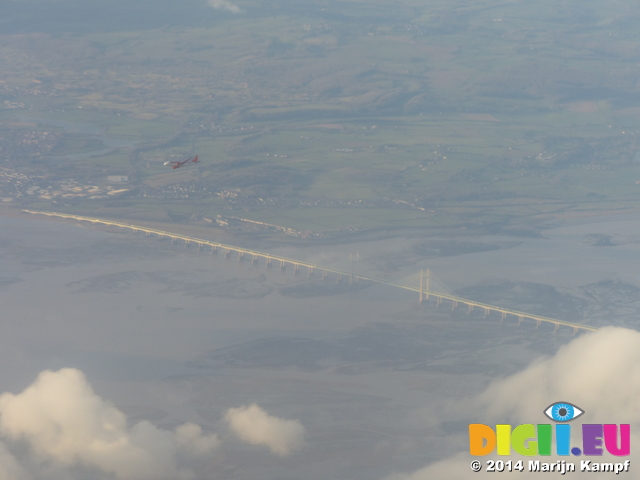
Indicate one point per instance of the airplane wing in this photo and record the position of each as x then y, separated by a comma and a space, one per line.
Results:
183, 162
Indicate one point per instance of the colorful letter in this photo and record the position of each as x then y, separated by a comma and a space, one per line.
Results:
592, 439
478, 434
563, 439
544, 439
611, 439
522, 434
503, 433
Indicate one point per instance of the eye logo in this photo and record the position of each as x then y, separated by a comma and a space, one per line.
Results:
563, 412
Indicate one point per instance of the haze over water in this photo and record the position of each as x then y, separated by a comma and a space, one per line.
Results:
172, 335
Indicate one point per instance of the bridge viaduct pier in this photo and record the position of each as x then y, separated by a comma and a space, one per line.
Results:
424, 290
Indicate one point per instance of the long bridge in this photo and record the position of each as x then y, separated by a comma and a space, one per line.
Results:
423, 290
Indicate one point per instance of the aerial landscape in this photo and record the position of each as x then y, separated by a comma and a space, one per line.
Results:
315, 239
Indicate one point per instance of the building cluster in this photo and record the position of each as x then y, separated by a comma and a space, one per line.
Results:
16, 186
21, 145
71, 189
13, 184
13, 105
190, 189
224, 129
240, 201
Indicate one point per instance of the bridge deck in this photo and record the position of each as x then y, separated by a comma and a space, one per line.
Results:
298, 263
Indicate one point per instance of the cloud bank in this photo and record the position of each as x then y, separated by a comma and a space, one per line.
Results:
66, 426
255, 426
599, 372
63, 420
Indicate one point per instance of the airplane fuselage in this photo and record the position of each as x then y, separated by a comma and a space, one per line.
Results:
184, 162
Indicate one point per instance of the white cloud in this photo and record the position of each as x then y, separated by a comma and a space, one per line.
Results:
10, 469
598, 372
224, 5
64, 421
191, 440
255, 426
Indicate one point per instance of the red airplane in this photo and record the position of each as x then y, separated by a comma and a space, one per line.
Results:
184, 162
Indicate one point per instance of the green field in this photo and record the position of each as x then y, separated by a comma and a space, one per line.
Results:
448, 113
